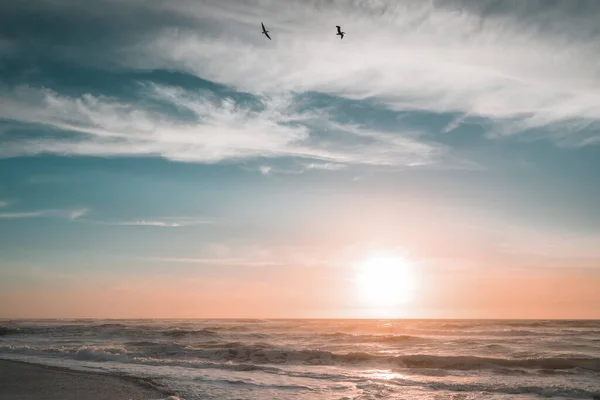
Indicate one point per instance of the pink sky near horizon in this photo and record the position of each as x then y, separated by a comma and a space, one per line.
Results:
464, 266
316, 292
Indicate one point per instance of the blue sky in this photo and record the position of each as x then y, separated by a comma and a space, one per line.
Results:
152, 138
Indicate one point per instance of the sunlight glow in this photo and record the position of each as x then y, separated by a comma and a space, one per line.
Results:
385, 281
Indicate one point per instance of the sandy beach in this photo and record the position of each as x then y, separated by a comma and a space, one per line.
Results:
22, 381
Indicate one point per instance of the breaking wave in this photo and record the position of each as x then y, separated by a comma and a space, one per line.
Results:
349, 359
141, 352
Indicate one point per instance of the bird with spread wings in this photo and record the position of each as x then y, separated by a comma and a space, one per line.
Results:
339, 32
265, 31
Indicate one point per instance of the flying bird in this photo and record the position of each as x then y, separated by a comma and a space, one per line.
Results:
265, 31
340, 33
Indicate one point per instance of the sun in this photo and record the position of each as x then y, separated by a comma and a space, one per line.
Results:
385, 281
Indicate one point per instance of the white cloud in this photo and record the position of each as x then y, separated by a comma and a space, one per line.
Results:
72, 214
221, 129
265, 169
512, 68
163, 223
521, 69
299, 169
325, 166
213, 261
76, 214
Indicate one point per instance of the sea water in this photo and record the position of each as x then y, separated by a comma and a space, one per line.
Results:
325, 359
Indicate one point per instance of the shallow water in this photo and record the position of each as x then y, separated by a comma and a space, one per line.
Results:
326, 359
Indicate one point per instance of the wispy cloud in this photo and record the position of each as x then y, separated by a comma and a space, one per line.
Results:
3, 203
145, 223
221, 129
509, 66
71, 214
508, 69
265, 169
300, 168
213, 261
252, 255
77, 214
162, 223
325, 166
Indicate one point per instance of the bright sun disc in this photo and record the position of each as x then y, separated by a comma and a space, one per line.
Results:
385, 281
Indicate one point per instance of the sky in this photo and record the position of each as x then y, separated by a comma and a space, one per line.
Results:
166, 160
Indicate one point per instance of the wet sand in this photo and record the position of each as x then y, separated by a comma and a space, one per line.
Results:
22, 381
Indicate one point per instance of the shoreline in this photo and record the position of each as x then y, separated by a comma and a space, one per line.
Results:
20, 380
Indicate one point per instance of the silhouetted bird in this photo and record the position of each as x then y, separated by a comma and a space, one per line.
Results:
340, 33
265, 31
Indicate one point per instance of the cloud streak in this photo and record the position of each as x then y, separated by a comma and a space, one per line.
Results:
220, 129
243, 262
72, 214
161, 223
77, 214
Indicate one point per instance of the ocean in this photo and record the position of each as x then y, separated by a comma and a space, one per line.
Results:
325, 359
